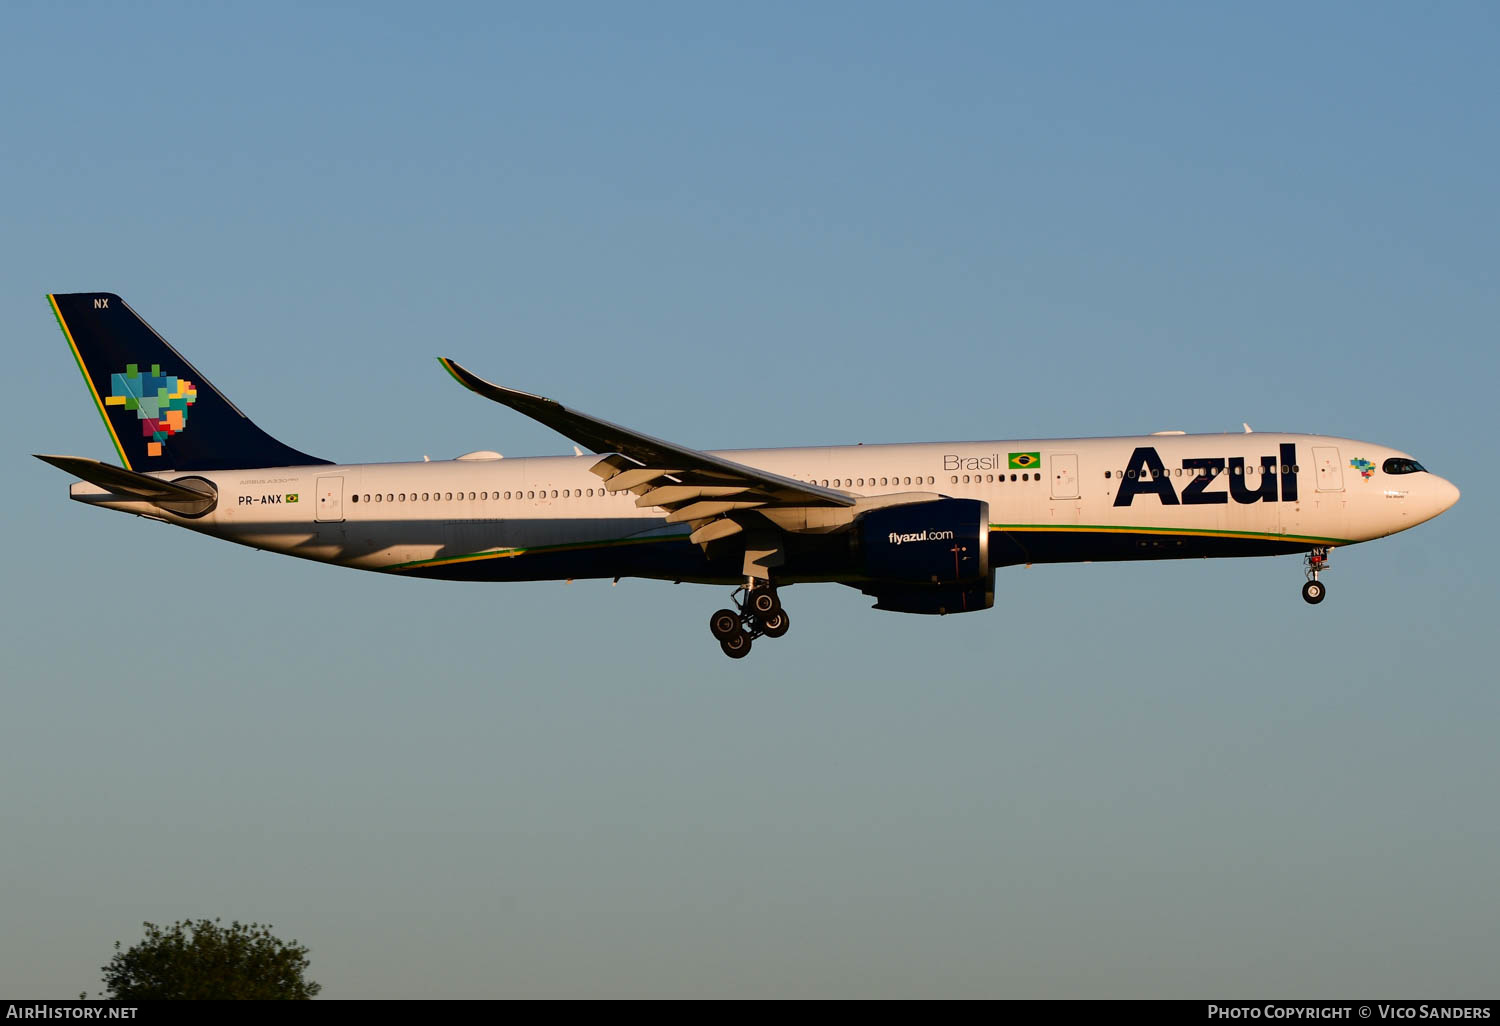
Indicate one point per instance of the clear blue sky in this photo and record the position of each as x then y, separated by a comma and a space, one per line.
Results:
741, 226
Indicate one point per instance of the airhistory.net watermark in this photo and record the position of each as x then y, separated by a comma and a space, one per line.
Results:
39, 1010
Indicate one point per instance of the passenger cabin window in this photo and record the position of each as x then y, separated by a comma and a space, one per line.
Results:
1401, 465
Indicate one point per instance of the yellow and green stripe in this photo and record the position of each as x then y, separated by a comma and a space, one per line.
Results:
612, 543
1171, 531
511, 553
447, 366
98, 403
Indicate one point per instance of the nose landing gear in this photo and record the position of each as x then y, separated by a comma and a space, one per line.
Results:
758, 613
1314, 591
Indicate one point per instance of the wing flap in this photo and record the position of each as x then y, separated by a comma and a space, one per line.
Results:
712, 531
668, 496
706, 510
625, 480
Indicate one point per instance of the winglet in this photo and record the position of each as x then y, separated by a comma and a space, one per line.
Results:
523, 402
596, 434
448, 366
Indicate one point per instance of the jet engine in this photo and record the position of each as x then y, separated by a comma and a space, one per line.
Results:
944, 541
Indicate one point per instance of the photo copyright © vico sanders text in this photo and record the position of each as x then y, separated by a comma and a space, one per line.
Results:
1288, 1011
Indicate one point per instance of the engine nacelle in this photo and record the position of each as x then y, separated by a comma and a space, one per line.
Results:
946, 541
937, 600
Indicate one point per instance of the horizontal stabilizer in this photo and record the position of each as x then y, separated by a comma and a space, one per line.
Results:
127, 484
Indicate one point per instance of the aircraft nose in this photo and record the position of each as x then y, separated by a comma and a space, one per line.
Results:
1447, 494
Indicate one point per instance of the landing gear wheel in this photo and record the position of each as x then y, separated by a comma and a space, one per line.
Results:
762, 602
736, 646
724, 624
757, 615
1313, 592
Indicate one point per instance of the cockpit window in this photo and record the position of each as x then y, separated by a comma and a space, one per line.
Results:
1401, 465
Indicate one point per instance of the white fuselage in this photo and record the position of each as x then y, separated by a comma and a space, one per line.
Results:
1143, 497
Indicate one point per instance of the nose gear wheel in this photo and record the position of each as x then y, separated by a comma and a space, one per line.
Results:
1314, 590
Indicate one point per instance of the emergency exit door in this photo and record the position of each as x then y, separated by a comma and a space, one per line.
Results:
330, 499
1064, 475
1330, 470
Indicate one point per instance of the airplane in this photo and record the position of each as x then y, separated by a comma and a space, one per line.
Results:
921, 528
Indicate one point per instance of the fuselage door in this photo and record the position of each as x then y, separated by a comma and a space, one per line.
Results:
1064, 475
1330, 470
330, 499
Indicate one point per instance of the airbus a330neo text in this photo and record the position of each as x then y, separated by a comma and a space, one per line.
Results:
922, 528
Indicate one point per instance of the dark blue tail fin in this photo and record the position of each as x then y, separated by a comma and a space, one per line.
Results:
161, 413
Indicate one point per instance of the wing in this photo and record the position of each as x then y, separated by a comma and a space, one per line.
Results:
692, 486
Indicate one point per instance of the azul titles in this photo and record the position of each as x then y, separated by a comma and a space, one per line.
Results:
1274, 481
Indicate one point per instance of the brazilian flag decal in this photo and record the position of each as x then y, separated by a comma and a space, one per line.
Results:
292, 497
1025, 460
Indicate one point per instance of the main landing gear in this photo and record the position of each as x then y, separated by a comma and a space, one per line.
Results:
758, 613
1313, 591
